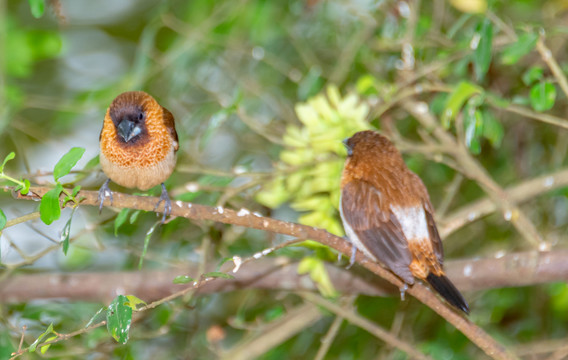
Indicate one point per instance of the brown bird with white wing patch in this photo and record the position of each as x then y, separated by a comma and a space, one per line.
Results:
387, 214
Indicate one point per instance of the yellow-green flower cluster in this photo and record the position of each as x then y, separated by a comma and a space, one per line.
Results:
310, 167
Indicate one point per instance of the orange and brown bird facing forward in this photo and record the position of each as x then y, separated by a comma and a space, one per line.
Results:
138, 145
387, 214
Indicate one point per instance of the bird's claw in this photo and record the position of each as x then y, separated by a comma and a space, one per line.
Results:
403, 291
352, 258
167, 203
104, 191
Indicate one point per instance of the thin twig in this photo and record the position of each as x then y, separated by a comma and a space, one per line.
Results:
550, 61
363, 323
473, 170
228, 216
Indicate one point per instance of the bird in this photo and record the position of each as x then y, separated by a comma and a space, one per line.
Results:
138, 144
387, 214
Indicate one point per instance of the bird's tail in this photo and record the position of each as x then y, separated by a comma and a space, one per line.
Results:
444, 287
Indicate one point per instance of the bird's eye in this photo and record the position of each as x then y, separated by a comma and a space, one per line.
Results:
140, 116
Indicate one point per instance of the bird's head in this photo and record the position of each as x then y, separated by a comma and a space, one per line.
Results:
369, 143
129, 113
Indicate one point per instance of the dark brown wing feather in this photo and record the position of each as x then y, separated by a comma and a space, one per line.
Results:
377, 229
171, 125
433, 231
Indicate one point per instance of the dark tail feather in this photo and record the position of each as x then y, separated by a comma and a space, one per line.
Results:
444, 287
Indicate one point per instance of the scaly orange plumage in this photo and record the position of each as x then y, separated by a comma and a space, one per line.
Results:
150, 160
138, 144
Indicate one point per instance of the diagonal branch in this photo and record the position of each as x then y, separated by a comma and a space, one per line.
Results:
245, 218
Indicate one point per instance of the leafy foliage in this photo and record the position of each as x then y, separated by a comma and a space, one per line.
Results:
263, 94
313, 159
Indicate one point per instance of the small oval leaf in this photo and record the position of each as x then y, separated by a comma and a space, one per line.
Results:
543, 96
120, 219
26, 188
38, 340
482, 53
3, 220
182, 279
9, 157
119, 318
134, 301
49, 207
456, 100
37, 7
515, 52
67, 161
217, 274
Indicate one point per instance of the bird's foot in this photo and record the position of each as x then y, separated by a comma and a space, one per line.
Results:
167, 203
403, 291
104, 192
352, 258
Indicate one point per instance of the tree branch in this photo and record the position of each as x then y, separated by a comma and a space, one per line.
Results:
517, 193
280, 273
245, 218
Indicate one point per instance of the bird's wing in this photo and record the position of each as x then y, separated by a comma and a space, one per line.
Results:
420, 188
433, 231
171, 126
370, 225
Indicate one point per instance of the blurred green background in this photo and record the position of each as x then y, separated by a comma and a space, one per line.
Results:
263, 92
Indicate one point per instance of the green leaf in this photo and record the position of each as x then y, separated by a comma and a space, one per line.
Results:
134, 301
38, 340
146, 242
91, 164
76, 190
492, 129
3, 220
473, 123
217, 274
543, 96
92, 320
514, 52
9, 157
67, 161
120, 219
44, 348
134, 216
367, 85
182, 279
37, 8
49, 207
457, 98
482, 42
119, 318
65, 233
533, 75
26, 188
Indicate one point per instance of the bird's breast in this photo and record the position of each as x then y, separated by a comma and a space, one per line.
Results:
141, 164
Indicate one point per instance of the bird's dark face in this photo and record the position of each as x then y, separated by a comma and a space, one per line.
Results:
129, 121
348, 146
369, 143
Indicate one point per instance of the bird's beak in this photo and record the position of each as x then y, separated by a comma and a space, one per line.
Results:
128, 129
349, 150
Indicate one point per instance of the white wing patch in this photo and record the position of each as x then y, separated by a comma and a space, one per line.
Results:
413, 221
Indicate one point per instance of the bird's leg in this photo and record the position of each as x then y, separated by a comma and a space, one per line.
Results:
104, 191
167, 203
403, 291
352, 258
